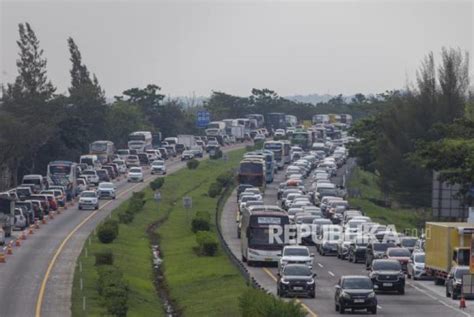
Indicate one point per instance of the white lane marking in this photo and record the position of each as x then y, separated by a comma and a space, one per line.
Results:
379, 307
320, 265
331, 273
438, 300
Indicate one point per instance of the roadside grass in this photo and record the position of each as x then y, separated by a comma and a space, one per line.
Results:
405, 220
200, 286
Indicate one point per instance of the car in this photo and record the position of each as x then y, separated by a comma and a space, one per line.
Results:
82, 185
21, 221
357, 251
106, 190
187, 155
28, 210
416, 266
279, 133
259, 137
296, 280
408, 243
132, 160
454, 281
135, 174
122, 167
295, 255
91, 176
387, 275
197, 151
355, 292
24, 192
400, 254
110, 171
376, 250
103, 175
344, 245
38, 209
158, 167
88, 199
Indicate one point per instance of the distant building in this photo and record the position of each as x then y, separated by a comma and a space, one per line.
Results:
445, 203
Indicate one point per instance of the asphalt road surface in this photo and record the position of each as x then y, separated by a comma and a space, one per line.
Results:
421, 298
37, 279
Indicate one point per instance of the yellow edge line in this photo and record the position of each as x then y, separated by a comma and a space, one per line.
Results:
310, 312
39, 301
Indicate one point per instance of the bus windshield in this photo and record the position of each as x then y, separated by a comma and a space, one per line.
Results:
137, 137
250, 168
59, 169
99, 147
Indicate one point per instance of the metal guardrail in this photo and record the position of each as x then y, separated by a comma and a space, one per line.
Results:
237, 263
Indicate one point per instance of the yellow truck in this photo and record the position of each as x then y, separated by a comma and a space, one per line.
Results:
447, 244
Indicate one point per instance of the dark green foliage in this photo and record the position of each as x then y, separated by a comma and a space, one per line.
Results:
217, 155
192, 164
200, 224
207, 243
226, 179
104, 257
257, 303
113, 289
126, 217
108, 231
214, 190
157, 183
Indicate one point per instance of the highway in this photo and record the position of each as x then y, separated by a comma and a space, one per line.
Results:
421, 298
37, 278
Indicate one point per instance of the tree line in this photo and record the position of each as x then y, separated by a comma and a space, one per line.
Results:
426, 127
38, 125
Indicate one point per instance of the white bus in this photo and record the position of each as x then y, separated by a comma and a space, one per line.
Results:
281, 149
256, 223
103, 149
140, 141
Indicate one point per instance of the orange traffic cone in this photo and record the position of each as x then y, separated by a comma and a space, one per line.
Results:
51, 215
17, 242
9, 249
43, 221
462, 302
2, 257
23, 235
37, 226
30, 231
58, 211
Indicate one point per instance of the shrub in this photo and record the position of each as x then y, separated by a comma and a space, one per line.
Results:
135, 205
138, 195
257, 303
204, 215
126, 217
214, 190
207, 243
157, 183
113, 289
226, 178
217, 155
104, 257
108, 231
192, 164
200, 224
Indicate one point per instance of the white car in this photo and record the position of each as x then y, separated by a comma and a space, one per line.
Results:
279, 132
122, 167
135, 174
158, 167
88, 199
295, 255
20, 219
91, 176
106, 190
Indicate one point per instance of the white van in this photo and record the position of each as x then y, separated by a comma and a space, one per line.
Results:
36, 180
90, 160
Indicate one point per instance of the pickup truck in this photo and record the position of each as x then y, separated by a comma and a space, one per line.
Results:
447, 245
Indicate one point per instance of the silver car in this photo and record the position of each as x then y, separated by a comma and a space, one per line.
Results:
416, 266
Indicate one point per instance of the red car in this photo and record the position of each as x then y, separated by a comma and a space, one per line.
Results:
401, 254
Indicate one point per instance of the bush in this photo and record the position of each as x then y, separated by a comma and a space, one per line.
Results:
157, 183
217, 155
200, 224
207, 243
204, 215
192, 164
126, 217
138, 195
104, 257
257, 303
226, 178
113, 289
135, 206
214, 190
108, 231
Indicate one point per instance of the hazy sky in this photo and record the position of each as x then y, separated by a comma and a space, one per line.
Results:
293, 47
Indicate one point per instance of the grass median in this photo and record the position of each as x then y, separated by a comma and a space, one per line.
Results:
195, 283
370, 202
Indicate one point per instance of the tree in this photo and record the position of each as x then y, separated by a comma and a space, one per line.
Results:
148, 99
122, 118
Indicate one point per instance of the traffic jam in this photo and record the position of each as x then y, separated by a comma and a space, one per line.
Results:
311, 213
94, 178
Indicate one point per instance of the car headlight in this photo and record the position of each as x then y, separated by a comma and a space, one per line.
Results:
309, 263
252, 252
419, 267
371, 295
345, 295
401, 275
283, 281
310, 282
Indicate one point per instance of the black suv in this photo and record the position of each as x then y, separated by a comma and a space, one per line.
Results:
355, 292
376, 250
296, 279
387, 275
357, 251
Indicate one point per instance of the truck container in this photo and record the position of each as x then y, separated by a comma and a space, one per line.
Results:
447, 245
188, 140
238, 132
